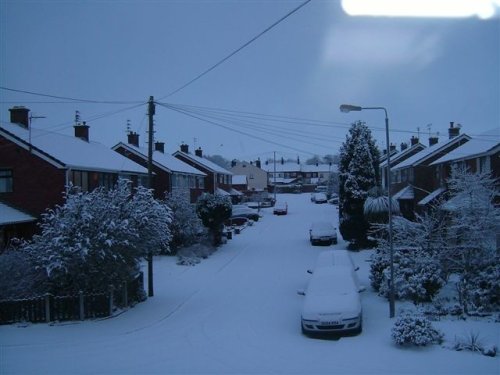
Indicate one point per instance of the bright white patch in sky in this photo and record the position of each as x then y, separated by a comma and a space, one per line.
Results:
422, 8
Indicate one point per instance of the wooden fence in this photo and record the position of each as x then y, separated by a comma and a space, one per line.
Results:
78, 306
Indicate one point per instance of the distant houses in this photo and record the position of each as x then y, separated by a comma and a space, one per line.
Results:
170, 173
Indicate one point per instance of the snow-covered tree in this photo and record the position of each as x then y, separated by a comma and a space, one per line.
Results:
96, 239
186, 226
213, 210
358, 173
472, 252
417, 271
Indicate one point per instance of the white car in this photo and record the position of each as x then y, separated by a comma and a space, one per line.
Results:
280, 208
322, 232
332, 303
337, 259
319, 198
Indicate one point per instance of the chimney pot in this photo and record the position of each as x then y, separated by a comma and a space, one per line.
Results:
185, 148
257, 163
453, 131
20, 115
404, 146
433, 141
133, 139
82, 131
414, 140
198, 152
160, 147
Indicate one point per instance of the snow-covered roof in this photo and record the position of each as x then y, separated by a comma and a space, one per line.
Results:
204, 162
423, 155
162, 160
399, 156
319, 168
405, 194
220, 191
431, 196
476, 146
235, 192
64, 151
9, 215
285, 167
284, 181
240, 179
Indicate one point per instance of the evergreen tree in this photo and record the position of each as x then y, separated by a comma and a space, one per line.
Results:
213, 210
358, 173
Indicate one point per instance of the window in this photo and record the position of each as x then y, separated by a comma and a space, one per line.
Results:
6, 181
80, 179
484, 164
251, 176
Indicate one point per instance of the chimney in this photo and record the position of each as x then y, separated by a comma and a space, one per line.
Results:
160, 146
433, 140
404, 146
185, 148
392, 148
453, 131
233, 163
257, 163
82, 131
133, 139
298, 160
20, 115
414, 140
317, 164
282, 161
198, 152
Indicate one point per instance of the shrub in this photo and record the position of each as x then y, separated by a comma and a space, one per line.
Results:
473, 342
415, 330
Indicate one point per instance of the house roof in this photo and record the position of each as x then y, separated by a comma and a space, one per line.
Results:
233, 191
285, 167
164, 161
405, 193
204, 162
222, 192
477, 146
319, 168
430, 197
64, 151
294, 167
240, 179
402, 154
430, 151
9, 215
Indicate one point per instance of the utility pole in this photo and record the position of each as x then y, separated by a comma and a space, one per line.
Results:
274, 175
151, 112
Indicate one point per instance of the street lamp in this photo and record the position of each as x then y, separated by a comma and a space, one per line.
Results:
346, 108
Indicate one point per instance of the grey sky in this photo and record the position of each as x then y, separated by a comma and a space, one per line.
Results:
424, 71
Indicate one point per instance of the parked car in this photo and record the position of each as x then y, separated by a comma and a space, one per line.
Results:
332, 303
322, 232
280, 208
334, 199
336, 259
319, 198
244, 211
268, 202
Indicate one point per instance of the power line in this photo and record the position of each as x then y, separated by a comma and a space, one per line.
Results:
236, 51
68, 98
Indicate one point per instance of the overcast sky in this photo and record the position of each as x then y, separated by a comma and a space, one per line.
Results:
426, 72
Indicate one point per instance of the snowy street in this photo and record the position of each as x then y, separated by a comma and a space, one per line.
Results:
238, 312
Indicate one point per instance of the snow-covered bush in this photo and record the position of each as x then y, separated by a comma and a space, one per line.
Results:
471, 252
213, 210
186, 226
474, 343
97, 239
417, 271
358, 173
415, 330
19, 277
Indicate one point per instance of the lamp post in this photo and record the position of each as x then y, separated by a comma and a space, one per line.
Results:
348, 108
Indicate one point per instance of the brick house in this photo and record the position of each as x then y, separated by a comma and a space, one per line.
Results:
415, 179
170, 173
218, 180
37, 166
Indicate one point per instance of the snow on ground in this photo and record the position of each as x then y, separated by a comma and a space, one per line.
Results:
238, 312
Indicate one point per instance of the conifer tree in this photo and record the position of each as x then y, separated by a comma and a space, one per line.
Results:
358, 173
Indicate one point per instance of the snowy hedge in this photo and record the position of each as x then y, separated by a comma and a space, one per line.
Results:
97, 239
415, 330
213, 210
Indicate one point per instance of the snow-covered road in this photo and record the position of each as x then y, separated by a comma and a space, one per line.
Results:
235, 312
